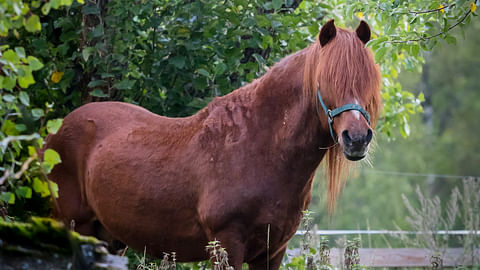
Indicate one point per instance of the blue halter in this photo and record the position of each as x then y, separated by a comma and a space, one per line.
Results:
337, 111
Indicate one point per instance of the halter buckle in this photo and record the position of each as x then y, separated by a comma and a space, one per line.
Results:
330, 117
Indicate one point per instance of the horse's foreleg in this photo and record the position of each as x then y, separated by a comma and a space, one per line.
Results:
273, 264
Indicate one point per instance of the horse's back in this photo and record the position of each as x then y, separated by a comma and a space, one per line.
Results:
108, 116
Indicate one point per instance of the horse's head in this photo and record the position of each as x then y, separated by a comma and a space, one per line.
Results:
347, 90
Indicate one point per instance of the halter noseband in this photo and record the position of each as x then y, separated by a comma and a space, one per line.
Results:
337, 111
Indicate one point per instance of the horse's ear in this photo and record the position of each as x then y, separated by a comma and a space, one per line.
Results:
327, 33
363, 32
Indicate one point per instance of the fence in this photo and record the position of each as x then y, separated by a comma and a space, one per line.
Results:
398, 257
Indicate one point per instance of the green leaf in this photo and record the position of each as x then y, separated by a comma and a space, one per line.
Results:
379, 54
262, 21
277, 4
8, 98
203, 72
90, 10
54, 187
25, 192
24, 98
405, 130
8, 128
277, 24
460, 3
54, 125
219, 68
124, 84
451, 40
177, 61
96, 83
31, 151
20, 127
9, 82
375, 43
97, 93
51, 157
26, 81
40, 187
267, 41
46, 8
415, 50
421, 97
8, 197
20, 52
11, 56
34, 63
32, 24
199, 103
87, 52
37, 113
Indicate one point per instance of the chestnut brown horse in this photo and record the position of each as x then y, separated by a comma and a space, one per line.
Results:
241, 165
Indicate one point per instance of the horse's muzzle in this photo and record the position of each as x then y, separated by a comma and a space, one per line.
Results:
356, 147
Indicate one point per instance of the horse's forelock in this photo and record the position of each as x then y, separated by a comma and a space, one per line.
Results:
346, 68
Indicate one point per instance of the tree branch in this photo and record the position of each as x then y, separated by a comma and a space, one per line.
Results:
18, 174
433, 36
421, 11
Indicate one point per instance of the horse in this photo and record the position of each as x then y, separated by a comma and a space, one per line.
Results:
239, 171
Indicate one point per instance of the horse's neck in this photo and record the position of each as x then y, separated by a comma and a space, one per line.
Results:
293, 124
272, 119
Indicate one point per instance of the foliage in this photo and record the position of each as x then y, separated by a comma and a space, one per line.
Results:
312, 255
168, 262
351, 256
174, 57
402, 31
218, 256
23, 117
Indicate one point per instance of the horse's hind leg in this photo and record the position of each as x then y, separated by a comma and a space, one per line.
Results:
71, 143
69, 206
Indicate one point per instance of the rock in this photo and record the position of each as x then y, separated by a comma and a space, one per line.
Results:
44, 243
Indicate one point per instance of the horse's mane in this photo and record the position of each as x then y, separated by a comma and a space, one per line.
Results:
342, 68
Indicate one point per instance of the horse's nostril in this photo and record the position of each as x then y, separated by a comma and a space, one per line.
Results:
346, 138
369, 136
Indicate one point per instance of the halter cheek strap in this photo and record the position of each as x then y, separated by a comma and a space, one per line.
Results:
337, 111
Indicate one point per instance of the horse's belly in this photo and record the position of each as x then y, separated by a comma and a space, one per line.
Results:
157, 233
145, 208
186, 248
